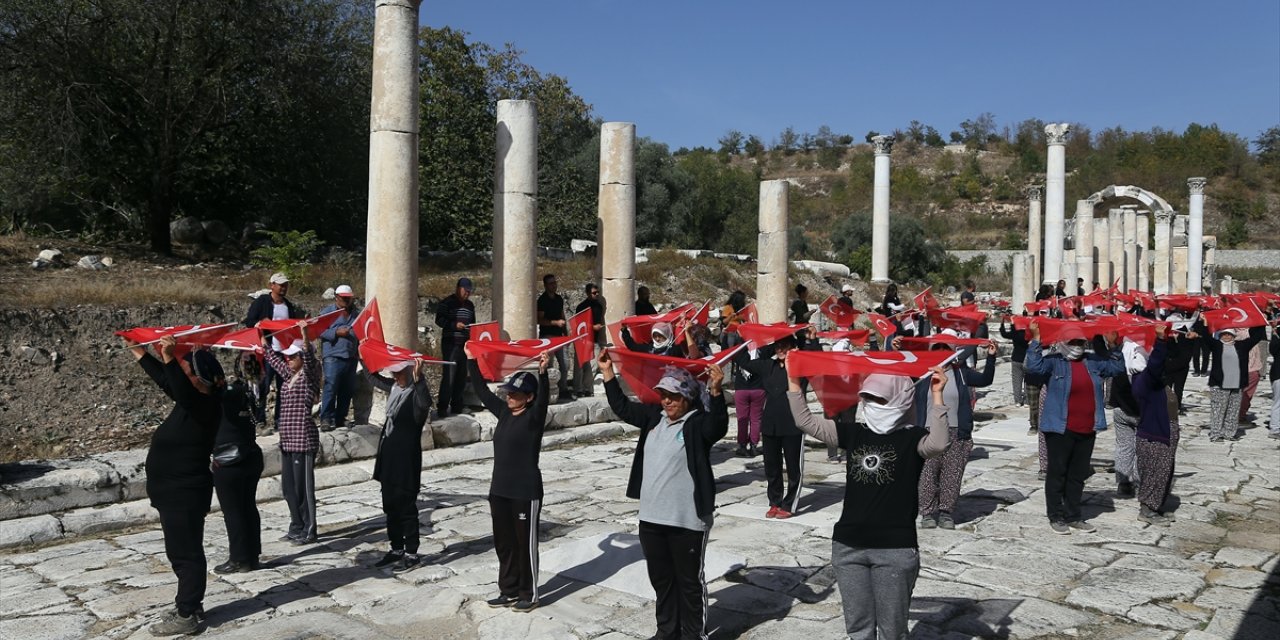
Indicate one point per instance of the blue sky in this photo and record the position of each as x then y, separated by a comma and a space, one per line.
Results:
687, 71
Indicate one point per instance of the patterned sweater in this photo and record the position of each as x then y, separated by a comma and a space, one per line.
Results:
298, 431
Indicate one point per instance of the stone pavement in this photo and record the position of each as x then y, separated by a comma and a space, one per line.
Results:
1001, 573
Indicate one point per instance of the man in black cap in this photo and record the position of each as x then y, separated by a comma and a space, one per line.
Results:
453, 316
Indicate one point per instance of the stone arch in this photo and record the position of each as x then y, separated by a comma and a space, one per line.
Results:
1157, 205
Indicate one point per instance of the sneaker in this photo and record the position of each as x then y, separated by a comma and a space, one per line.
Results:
751, 448
1059, 527
407, 562
231, 566
302, 542
1275, 435
1082, 526
288, 537
742, 452
564, 397
502, 601
1031, 431
1214, 439
781, 514
1041, 476
391, 558
772, 512
1152, 517
173, 623
525, 606
945, 521
1124, 490
928, 522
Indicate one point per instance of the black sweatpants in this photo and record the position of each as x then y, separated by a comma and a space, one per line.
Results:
1069, 454
1179, 384
400, 504
1201, 355
778, 449
298, 483
515, 539
184, 547
453, 380
674, 557
237, 487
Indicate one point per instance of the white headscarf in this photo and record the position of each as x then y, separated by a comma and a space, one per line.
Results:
661, 330
1135, 357
898, 392
1068, 350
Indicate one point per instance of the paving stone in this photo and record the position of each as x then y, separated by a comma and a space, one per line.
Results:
1220, 598
41, 598
29, 531
1242, 625
1117, 589
70, 626
1240, 578
1022, 618
1159, 616
1242, 557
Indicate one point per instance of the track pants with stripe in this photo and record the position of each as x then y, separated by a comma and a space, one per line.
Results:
674, 557
515, 539
779, 449
298, 483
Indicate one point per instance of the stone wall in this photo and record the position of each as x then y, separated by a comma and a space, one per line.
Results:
1237, 258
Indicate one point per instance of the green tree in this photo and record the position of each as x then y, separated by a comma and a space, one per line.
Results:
730, 143
1268, 145
912, 254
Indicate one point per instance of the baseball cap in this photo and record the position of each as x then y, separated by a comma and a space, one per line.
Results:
294, 348
678, 381
344, 290
848, 288
279, 278
465, 283
522, 382
397, 366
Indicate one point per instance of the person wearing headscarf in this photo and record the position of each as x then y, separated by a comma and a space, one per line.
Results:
671, 476
874, 550
515, 490
1228, 374
1072, 413
729, 320
1180, 347
299, 436
1124, 419
941, 477
1157, 431
179, 483
237, 468
660, 341
398, 465
1019, 339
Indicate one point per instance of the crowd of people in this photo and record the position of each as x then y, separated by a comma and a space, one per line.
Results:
905, 442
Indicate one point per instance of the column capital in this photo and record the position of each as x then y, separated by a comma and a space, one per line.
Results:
883, 144
1057, 133
1196, 185
1164, 216
1035, 192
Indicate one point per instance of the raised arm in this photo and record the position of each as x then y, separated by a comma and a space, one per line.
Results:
816, 426
988, 375
939, 438
629, 411
492, 403
543, 398
718, 412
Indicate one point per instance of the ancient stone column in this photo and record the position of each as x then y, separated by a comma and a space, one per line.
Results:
1144, 258
391, 243
1195, 236
1024, 282
616, 219
1102, 249
771, 259
1035, 230
1130, 229
1161, 257
1055, 191
1210, 259
1084, 242
880, 210
1115, 231
1068, 271
515, 219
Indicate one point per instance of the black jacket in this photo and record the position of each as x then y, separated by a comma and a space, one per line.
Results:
399, 459
1274, 348
701, 431
177, 464
1242, 346
261, 307
1019, 339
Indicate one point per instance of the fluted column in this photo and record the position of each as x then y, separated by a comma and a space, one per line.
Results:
1084, 242
1161, 266
771, 261
1144, 258
616, 219
515, 219
1195, 236
1055, 190
1035, 230
391, 242
880, 210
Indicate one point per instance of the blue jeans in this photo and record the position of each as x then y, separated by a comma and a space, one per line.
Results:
339, 386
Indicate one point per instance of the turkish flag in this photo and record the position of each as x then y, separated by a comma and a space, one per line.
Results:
641, 326
858, 337
378, 355
497, 359
749, 313
584, 337
1095, 301
1141, 329
190, 335
368, 324
765, 334
1125, 299
924, 344
840, 313
836, 376
643, 370
1054, 330
1241, 316
957, 318
925, 300
290, 330
243, 340
1038, 307
484, 331
883, 325
1178, 302
1067, 306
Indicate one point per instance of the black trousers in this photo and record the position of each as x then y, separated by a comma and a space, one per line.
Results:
184, 547
779, 449
1069, 466
1179, 383
1200, 355
674, 557
515, 539
453, 380
237, 487
298, 483
400, 504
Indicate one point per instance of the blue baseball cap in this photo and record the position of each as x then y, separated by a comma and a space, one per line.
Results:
522, 382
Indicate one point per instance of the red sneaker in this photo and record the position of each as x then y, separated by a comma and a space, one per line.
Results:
772, 512
781, 513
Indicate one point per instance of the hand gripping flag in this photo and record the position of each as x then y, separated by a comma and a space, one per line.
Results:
925, 300
760, 335
378, 355
748, 315
857, 337
700, 316
1178, 302
1038, 307
882, 324
583, 337
368, 325
484, 331
643, 370
1241, 316
836, 376
1140, 329
189, 335
910, 343
499, 359
840, 313
290, 330
641, 326
957, 318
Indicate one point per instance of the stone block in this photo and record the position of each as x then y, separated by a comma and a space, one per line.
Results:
1241, 557
342, 475
772, 253
109, 518
130, 467
271, 457
38, 487
598, 409
454, 431
65, 626
30, 530
363, 441
572, 414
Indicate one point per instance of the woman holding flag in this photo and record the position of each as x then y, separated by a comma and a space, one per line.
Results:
299, 436
398, 466
1228, 374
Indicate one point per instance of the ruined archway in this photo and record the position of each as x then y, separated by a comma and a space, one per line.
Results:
1155, 203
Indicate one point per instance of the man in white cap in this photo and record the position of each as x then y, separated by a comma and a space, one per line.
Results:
272, 305
340, 357
846, 295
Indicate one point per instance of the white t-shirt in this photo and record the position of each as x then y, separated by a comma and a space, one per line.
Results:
278, 312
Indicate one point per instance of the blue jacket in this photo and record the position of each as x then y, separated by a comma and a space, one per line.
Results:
965, 378
1053, 412
335, 346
